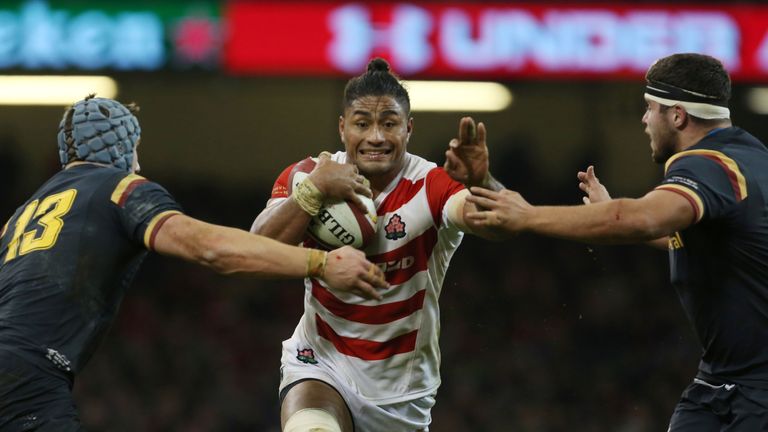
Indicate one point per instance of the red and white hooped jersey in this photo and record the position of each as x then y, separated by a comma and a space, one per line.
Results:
388, 350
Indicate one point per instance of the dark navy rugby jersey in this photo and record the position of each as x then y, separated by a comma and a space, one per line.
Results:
719, 265
67, 256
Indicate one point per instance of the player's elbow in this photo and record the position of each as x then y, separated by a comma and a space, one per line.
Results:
631, 224
213, 259
214, 253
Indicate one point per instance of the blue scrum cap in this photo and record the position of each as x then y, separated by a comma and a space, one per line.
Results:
98, 130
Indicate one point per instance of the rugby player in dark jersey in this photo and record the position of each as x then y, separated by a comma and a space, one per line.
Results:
68, 254
710, 211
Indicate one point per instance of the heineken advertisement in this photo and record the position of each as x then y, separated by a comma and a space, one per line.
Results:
136, 35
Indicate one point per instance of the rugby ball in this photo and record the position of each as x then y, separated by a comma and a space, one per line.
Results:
337, 224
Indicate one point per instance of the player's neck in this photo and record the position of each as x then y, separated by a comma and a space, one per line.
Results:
696, 134
78, 163
379, 183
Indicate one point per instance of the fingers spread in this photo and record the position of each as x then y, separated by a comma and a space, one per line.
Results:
481, 133
467, 133
478, 218
481, 201
483, 192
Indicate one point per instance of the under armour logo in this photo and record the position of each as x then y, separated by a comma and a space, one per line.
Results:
405, 37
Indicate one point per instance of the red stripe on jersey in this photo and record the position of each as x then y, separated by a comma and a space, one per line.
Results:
403, 192
130, 188
378, 314
401, 264
731, 175
440, 187
366, 229
156, 228
688, 197
366, 349
280, 188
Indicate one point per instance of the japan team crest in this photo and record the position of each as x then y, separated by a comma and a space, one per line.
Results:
306, 355
395, 228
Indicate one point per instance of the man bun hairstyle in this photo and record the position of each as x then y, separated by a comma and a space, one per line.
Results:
697, 73
99, 130
378, 80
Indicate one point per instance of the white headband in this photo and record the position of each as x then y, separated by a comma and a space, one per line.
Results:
696, 109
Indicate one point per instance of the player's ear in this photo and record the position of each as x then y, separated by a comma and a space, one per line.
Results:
410, 127
341, 128
680, 116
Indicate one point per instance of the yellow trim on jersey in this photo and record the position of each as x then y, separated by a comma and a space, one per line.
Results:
151, 227
5, 227
689, 193
124, 183
675, 241
728, 162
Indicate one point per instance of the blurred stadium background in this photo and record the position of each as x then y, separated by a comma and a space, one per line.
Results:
537, 335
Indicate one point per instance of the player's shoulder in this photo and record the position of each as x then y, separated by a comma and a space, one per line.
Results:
127, 186
727, 148
416, 167
700, 157
716, 167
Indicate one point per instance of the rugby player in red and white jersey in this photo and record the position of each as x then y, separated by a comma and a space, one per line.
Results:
353, 363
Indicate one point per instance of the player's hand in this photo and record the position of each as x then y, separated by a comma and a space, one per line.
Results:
505, 211
347, 270
339, 182
590, 185
466, 159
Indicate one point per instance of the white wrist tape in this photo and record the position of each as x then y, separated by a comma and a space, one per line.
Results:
454, 209
312, 420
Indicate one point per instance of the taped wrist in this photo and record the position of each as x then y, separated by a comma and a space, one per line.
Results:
312, 419
316, 261
308, 197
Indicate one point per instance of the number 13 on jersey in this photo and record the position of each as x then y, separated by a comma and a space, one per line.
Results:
49, 211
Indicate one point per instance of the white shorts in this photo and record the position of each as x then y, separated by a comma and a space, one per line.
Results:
408, 416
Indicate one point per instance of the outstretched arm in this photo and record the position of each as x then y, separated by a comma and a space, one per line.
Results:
596, 192
658, 213
233, 251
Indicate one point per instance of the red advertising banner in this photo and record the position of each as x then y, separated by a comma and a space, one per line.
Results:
493, 40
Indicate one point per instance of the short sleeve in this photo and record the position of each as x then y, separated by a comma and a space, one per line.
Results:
143, 207
711, 181
440, 187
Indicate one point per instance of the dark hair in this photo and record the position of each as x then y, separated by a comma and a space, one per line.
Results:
377, 80
694, 72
